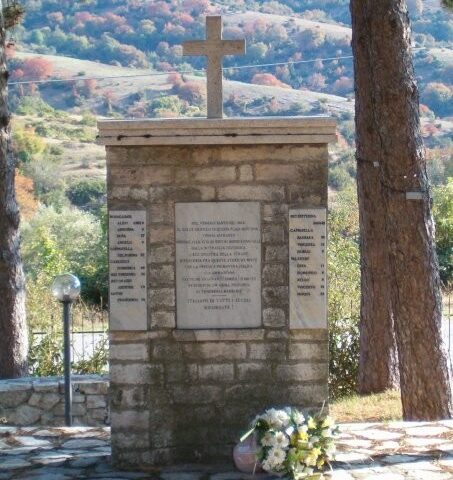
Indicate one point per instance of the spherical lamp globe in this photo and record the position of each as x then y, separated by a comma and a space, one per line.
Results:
66, 287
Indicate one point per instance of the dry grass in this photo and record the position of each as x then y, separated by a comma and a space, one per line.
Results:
381, 407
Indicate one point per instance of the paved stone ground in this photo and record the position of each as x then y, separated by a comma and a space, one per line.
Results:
374, 451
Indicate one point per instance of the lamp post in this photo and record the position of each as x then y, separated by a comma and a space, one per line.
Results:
66, 289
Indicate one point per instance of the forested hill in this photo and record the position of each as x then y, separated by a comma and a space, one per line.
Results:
72, 61
147, 34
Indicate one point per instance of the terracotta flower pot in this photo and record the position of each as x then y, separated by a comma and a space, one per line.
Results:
244, 456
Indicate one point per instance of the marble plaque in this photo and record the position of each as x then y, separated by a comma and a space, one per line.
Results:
127, 270
307, 268
218, 265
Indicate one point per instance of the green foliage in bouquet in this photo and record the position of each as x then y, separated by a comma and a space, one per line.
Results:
293, 445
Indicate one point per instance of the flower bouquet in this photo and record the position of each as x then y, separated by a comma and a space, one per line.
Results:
290, 444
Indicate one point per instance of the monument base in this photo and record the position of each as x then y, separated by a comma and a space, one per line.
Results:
181, 392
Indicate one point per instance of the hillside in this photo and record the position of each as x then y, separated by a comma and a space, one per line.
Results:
144, 34
134, 81
85, 159
119, 60
331, 30
73, 62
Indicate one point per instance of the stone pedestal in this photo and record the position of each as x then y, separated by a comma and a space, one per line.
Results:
186, 379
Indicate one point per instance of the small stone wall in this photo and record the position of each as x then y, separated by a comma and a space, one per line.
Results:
40, 401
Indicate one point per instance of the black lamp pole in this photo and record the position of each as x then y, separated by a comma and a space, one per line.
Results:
67, 363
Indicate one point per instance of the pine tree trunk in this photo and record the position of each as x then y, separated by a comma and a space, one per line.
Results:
13, 331
391, 152
378, 364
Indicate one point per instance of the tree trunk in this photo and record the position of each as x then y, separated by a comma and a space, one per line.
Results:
13, 331
378, 364
390, 149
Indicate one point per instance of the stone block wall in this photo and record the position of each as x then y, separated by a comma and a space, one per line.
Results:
40, 401
187, 395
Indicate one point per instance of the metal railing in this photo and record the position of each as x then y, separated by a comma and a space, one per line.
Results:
89, 345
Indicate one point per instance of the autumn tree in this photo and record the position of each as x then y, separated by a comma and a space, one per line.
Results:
109, 98
400, 280
197, 7
269, 80
90, 85
13, 331
317, 81
37, 68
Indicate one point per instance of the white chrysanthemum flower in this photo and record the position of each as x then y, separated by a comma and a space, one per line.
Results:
267, 440
276, 456
276, 419
270, 465
280, 440
314, 439
283, 418
298, 418
267, 466
269, 416
326, 433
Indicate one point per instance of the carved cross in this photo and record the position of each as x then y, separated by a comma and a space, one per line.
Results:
214, 48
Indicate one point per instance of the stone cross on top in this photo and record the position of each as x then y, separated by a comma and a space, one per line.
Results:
214, 48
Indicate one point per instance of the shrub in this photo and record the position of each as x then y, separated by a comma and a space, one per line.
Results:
28, 204
56, 150
269, 80
47, 181
443, 216
167, 103
439, 98
339, 178
26, 144
45, 355
88, 194
343, 85
192, 92
32, 105
344, 293
311, 38
70, 240
97, 363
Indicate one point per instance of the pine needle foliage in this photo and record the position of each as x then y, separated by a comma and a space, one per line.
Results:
13, 13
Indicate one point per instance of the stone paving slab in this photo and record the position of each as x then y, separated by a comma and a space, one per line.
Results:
372, 451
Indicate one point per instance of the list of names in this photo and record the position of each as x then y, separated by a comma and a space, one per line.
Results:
127, 270
307, 268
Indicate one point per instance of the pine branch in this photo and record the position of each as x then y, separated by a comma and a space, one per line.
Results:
12, 15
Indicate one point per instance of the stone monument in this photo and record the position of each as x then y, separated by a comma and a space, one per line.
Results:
217, 247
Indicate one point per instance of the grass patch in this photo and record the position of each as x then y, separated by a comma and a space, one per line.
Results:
382, 407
